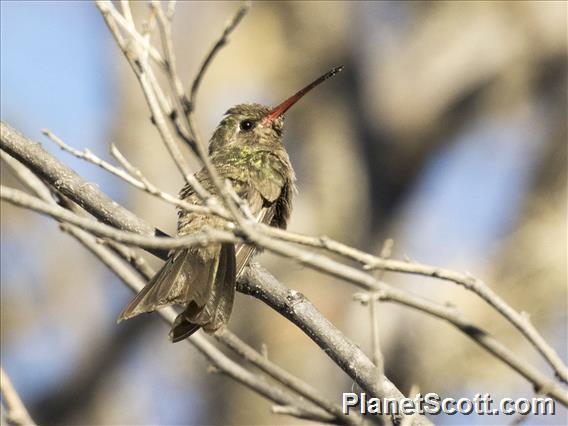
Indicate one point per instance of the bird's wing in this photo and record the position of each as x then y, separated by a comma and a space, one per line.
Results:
263, 189
263, 211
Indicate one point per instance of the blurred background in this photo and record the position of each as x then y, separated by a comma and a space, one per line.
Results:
446, 132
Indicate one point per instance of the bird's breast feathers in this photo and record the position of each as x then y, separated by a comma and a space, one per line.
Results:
268, 171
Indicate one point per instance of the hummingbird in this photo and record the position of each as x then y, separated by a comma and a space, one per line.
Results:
246, 148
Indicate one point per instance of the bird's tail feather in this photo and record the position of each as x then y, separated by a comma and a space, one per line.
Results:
165, 288
217, 309
202, 280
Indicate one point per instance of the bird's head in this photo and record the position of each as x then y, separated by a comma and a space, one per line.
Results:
255, 124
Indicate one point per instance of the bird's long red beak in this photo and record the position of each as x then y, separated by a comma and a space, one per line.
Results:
285, 106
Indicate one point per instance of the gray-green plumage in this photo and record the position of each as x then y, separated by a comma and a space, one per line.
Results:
247, 149
202, 279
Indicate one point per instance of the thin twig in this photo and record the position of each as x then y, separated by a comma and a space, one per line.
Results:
152, 93
31, 181
206, 237
128, 26
407, 421
16, 412
64, 180
125, 6
241, 348
294, 411
164, 24
189, 133
145, 77
540, 382
147, 29
520, 321
302, 388
136, 50
142, 71
214, 209
27, 178
217, 46
378, 358
477, 286
171, 9
133, 258
52, 171
88, 156
203, 238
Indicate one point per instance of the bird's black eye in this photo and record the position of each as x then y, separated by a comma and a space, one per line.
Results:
247, 125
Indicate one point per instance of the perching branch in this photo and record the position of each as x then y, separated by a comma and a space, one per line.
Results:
221, 362
327, 265
262, 290
109, 259
175, 109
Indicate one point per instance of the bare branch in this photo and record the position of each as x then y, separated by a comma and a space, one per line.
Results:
378, 359
147, 29
93, 159
290, 410
164, 24
208, 236
122, 226
16, 412
131, 256
127, 24
68, 183
540, 382
302, 388
261, 289
364, 280
171, 9
217, 46
293, 305
217, 358
27, 178
475, 285
153, 94
125, 6
131, 175
203, 238
387, 293
367, 282
145, 76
